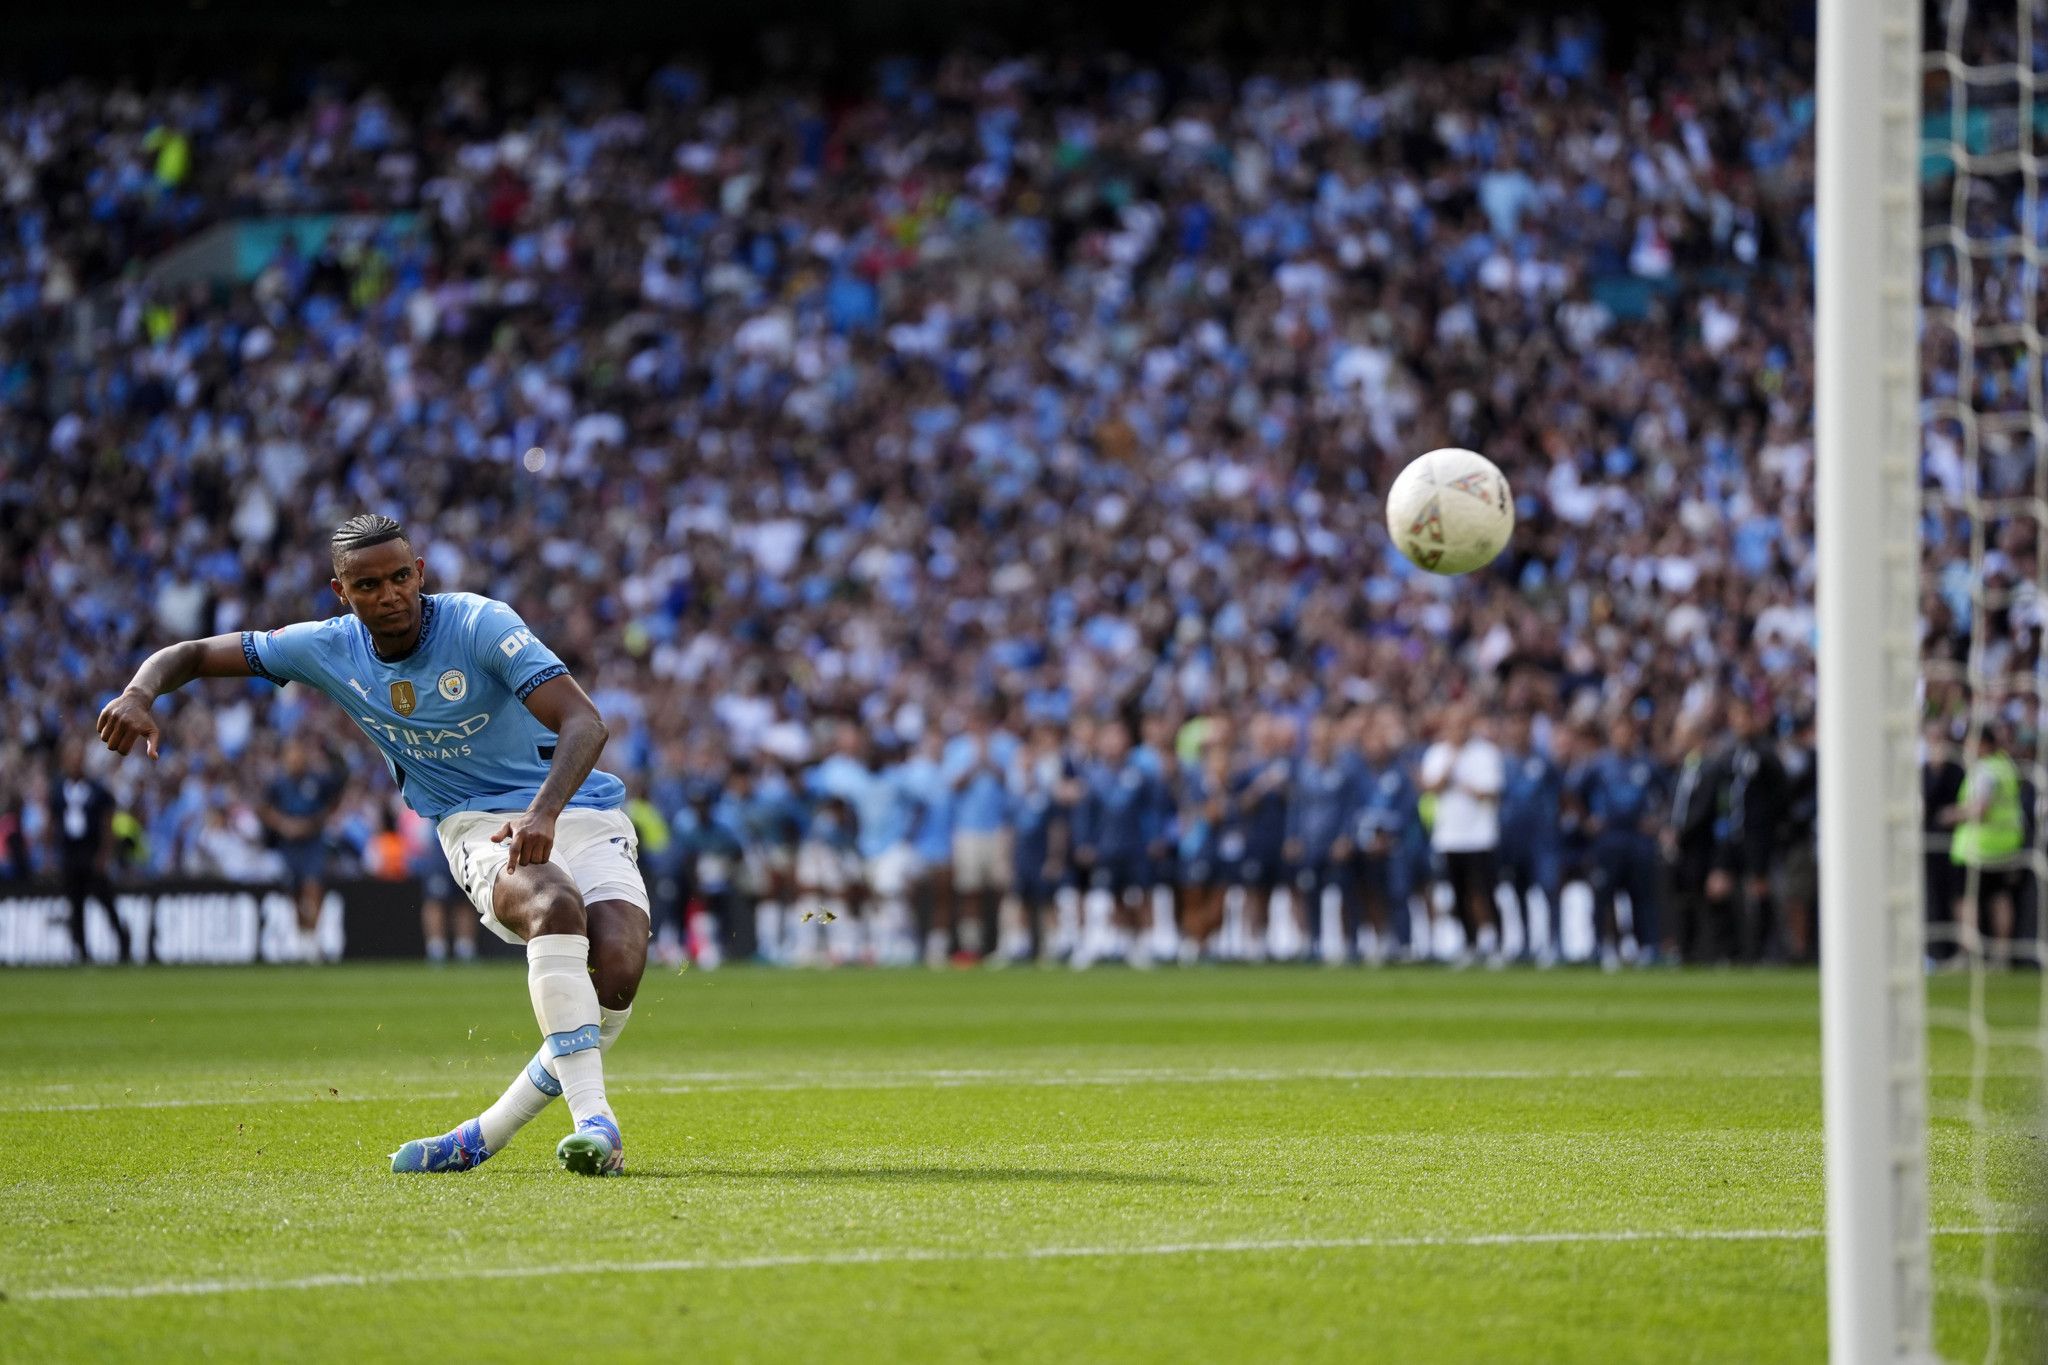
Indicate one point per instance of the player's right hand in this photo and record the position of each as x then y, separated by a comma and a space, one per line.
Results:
125, 720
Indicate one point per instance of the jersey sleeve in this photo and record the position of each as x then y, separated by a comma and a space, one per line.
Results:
514, 654
288, 654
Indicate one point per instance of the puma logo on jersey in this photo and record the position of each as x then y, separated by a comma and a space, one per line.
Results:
361, 690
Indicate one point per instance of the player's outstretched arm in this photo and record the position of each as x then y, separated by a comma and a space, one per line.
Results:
126, 719
562, 705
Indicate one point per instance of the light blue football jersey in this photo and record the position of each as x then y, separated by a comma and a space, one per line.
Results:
450, 717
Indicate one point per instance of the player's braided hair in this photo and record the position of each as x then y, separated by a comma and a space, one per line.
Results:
361, 532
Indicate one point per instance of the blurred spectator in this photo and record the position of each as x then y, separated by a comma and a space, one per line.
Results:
14, 854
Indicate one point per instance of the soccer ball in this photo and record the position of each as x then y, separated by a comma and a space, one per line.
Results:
1450, 511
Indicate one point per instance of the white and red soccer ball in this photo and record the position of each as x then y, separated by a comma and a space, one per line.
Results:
1451, 511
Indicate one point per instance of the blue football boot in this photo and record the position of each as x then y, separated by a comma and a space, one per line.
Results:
595, 1148
461, 1150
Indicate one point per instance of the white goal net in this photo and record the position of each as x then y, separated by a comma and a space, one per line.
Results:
1984, 474
1932, 427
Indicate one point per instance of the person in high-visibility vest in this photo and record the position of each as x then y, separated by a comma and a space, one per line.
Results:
1989, 839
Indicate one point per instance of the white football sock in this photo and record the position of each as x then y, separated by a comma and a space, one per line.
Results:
565, 1003
536, 1087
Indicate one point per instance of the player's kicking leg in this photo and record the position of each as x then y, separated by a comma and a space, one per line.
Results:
584, 966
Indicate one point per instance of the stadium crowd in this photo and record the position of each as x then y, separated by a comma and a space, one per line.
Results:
973, 484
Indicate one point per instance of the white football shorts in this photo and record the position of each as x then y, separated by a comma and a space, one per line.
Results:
599, 849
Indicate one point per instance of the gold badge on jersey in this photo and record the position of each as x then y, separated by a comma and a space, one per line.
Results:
404, 698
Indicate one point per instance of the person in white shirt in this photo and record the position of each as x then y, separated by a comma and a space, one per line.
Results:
1465, 772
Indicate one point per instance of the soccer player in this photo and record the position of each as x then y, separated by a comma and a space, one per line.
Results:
486, 734
1201, 813
1039, 781
1119, 818
295, 809
1388, 833
772, 825
1531, 840
1321, 807
928, 788
977, 764
707, 828
1622, 796
429, 864
858, 775
1258, 799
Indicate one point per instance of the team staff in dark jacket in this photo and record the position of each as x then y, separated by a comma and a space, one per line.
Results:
1799, 854
1753, 802
1702, 909
81, 822
1941, 794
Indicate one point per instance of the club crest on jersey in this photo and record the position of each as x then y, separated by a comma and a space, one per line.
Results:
403, 699
453, 685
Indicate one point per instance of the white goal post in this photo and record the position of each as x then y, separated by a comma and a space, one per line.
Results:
1866, 522
1867, 449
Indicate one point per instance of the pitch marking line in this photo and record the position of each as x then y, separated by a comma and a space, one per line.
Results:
690, 1083
725, 1082
258, 1100
955, 1080
914, 1255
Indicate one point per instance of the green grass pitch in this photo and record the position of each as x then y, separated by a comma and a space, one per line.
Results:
1222, 1164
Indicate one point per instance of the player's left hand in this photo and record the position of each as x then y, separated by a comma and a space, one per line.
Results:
532, 838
